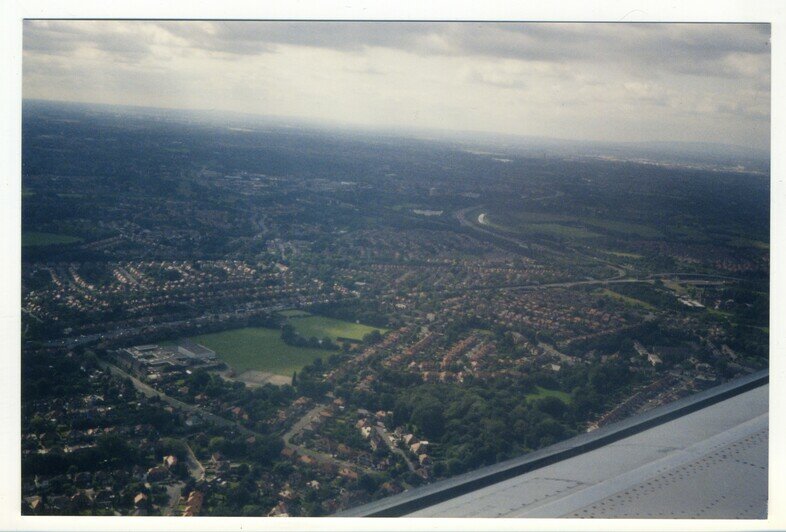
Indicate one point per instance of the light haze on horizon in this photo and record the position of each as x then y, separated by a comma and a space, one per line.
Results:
598, 82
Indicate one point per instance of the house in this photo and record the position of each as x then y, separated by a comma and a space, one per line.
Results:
35, 504
301, 401
194, 504
238, 413
424, 459
288, 452
391, 488
140, 500
279, 510
419, 447
170, 461
347, 473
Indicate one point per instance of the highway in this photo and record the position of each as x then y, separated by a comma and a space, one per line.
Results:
618, 278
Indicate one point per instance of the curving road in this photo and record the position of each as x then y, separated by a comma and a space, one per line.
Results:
618, 277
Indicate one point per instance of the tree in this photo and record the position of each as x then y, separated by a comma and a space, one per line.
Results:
429, 419
288, 333
367, 483
217, 443
372, 338
552, 406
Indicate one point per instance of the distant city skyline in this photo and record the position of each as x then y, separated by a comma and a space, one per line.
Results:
598, 82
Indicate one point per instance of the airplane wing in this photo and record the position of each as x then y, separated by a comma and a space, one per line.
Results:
703, 456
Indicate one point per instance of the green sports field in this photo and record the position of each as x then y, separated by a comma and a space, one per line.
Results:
294, 313
320, 327
259, 349
34, 238
262, 349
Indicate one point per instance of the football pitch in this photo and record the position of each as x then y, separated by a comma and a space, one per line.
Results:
262, 349
321, 327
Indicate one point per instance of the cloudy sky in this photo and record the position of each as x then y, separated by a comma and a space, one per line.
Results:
638, 82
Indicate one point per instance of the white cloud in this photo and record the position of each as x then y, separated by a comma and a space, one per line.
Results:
592, 81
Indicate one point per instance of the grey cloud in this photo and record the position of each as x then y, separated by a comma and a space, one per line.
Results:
681, 75
260, 37
685, 48
63, 37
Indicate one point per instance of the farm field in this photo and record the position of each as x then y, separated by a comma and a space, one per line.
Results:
321, 327
34, 238
260, 349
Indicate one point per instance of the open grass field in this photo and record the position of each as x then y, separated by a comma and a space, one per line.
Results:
34, 238
627, 299
555, 230
321, 327
545, 392
560, 231
624, 255
677, 288
720, 314
748, 243
293, 313
565, 226
626, 228
261, 349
